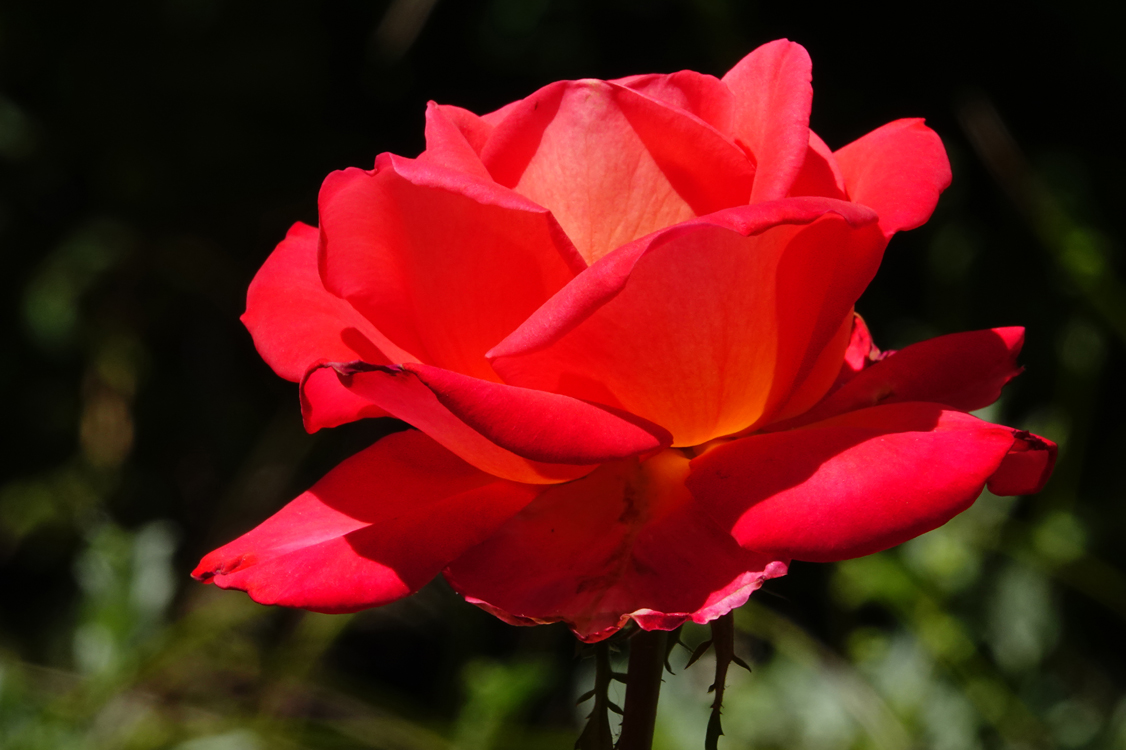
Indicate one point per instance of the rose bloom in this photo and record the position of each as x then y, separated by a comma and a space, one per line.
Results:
619, 316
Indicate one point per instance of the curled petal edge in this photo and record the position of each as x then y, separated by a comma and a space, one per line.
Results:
731, 597
544, 428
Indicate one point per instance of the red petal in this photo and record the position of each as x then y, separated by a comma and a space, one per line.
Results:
821, 376
374, 529
448, 130
704, 327
856, 484
444, 264
861, 353
338, 393
899, 170
496, 117
539, 425
1027, 466
613, 164
295, 322
773, 97
820, 174
626, 542
964, 371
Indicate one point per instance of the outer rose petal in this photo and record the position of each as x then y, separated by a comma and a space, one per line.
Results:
964, 371
374, 529
1027, 466
295, 322
773, 97
444, 264
861, 482
899, 170
334, 394
505, 430
744, 301
613, 164
626, 542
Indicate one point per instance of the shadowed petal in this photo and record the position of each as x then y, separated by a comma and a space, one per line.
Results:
820, 174
375, 529
295, 321
539, 425
964, 371
861, 353
340, 392
626, 542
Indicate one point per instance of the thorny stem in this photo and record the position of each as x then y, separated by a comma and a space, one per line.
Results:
723, 641
596, 735
643, 687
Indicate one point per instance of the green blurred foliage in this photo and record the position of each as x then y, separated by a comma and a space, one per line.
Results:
151, 154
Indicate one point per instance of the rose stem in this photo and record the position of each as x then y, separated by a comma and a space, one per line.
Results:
643, 687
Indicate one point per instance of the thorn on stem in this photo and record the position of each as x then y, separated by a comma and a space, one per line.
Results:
700, 651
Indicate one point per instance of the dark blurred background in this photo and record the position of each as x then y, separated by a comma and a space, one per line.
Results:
151, 155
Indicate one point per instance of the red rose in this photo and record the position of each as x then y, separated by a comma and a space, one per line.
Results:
620, 316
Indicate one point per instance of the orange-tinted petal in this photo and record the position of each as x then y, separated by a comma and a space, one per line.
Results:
706, 327
613, 164
702, 95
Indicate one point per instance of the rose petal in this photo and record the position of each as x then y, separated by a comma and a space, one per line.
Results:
861, 353
1027, 466
337, 393
295, 321
820, 174
702, 95
613, 164
539, 425
773, 97
821, 376
442, 263
899, 170
448, 133
964, 371
496, 117
376, 528
858, 483
705, 327
626, 542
